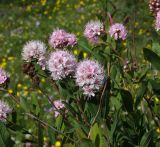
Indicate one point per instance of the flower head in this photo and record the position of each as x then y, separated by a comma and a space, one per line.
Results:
3, 76
60, 39
118, 31
4, 110
93, 30
58, 105
89, 76
157, 24
34, 50
61, 64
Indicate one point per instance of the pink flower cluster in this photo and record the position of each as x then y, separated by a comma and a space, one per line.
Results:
157, 23
89, 76
61, 64
4, 110
58, 105
3, 76
93, 30
35, 50
60, 39
118, 31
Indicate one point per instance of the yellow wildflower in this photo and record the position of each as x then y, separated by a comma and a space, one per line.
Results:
58, 144
10, 91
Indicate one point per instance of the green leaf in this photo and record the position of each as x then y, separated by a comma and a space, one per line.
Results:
80, 133
147, 139
51, 135
85, 143
91, 110
113, 72
59, 121
40, 135
127, 100
152, 57
95, 134
24, 104
155, 84
84, 46
5, 139
35, 104
114, 125
140, 93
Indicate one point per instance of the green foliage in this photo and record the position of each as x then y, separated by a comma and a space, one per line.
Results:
152, 57
5, 139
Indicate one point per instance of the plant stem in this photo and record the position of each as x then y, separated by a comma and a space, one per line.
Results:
50, 101
82, 112
99, 108
47, 125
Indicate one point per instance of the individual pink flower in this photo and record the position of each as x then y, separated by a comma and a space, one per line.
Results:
60, 39
89, 76
58, 106
93, 30
3, 76
157, 24
61, 64
72, 40
118, 31
4, 110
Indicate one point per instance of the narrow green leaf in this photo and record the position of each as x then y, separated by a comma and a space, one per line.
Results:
152, 57
155, 84
5, 139
147, 139
84, 46
140, 93
127, 100
51, 135
95, 134
24, 104
85, 143
113, 72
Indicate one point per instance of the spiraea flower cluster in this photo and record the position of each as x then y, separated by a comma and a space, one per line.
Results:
60, 39
3, 76
4, 110
34, 50
118, 31
93, 30
58, 104
89, 76
61, 64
